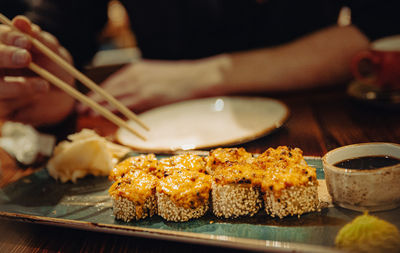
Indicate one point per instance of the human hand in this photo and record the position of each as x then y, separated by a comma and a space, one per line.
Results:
147, 84
24, 96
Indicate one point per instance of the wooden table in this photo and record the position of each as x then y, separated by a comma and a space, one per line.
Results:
320, 121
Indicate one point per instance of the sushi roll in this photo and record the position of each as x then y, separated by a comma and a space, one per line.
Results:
134, 196
230, 180
233, 191
183, 195
289, 185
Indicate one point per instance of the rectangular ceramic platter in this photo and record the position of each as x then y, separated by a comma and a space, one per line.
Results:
86, 205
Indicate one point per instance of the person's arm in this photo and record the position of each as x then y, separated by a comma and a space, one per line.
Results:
321, 58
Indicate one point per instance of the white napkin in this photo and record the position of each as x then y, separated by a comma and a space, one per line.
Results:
25, 143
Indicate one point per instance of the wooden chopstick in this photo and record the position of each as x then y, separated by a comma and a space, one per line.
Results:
84, 99
78, 75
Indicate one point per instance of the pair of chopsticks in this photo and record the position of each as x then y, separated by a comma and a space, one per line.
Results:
83, 79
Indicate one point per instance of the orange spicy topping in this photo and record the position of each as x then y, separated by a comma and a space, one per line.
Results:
187, 185
274, 170
281, 154
136, 186
146, 163
185, 188
221, 156
237, 173
182, 162
297, 175
284, 168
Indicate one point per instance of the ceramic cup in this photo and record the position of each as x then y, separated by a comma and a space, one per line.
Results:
380, 65
363, 190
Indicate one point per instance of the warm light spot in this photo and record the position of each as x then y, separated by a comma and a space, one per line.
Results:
117, 13
219, 105
344, 18
188, 146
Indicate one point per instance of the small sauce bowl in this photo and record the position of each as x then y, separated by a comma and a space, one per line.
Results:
363, 189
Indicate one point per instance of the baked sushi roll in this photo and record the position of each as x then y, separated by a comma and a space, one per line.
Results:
147, 163
220, 157
183, 195
134, 196
185, 161
233, 191
289, 186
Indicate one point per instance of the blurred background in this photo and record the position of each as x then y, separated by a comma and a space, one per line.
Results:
117, 42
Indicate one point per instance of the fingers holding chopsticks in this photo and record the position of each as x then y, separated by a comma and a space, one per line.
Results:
17, 93
24, 96
14, 57
26, 27
19, 43
17, 52
12, 37
14, 48
50, 65
15, 87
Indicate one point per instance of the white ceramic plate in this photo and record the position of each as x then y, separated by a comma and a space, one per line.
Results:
206, 123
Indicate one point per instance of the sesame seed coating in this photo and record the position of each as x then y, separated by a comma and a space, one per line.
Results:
172, 212
125, 210
294, 200
234, 200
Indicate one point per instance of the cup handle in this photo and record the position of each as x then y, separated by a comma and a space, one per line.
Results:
365, 55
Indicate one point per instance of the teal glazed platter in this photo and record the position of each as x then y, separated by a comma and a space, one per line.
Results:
38, 198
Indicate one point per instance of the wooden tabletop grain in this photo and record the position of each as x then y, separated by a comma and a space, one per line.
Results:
320, 120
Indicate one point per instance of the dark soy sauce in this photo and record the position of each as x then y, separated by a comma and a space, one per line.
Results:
368, 162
